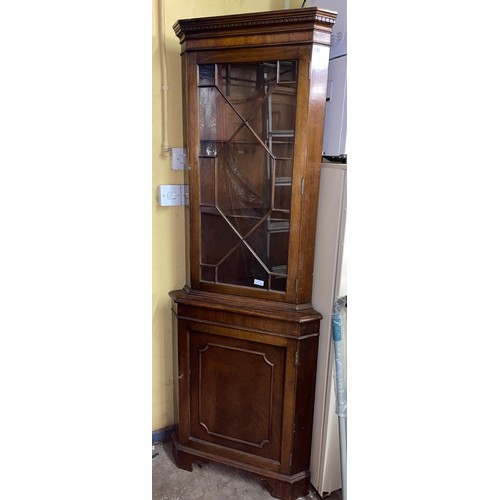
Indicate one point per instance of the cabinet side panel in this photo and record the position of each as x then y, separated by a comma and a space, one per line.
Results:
314, 127
183, 381
175, 366
304, 408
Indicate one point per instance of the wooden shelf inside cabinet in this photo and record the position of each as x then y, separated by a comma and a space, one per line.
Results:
246, 332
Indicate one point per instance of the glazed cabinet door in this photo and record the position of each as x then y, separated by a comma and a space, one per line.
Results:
246, 146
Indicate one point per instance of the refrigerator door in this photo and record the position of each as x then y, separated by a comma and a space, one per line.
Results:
325, 455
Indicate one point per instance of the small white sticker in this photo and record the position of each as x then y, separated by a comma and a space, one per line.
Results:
258, 282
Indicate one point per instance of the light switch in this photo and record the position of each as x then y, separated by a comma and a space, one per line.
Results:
178, 159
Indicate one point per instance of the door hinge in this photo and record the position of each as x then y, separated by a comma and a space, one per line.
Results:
302, 186
296, 358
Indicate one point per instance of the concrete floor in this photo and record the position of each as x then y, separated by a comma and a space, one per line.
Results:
208, 481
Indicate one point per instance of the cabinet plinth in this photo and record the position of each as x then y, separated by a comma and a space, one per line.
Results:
246, 333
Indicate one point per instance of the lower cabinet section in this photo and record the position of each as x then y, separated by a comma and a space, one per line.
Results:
246, 395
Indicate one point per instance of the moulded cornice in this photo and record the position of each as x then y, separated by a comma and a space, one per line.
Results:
260, 19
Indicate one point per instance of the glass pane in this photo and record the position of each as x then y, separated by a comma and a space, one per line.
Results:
247, 81
269, 72
243, 186
259, 124
242, 268
208, 273
243, 225
247, 130
287, 71
269, 244
282, 101
281, 114
283, 185
278, 251
259, 243
218, 121
278, 283
207, 180
206, 74
217, 237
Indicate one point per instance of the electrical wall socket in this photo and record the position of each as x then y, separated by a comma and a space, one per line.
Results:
171, 195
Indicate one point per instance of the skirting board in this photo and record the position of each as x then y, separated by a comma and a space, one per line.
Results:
162, 435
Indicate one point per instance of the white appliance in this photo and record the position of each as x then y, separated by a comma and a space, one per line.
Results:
334, 139
329, 283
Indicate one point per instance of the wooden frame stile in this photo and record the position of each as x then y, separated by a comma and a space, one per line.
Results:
191, 117
316, 98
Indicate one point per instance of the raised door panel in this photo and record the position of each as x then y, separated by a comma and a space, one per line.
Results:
236, 389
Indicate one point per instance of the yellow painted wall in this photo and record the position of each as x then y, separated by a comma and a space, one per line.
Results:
168, 222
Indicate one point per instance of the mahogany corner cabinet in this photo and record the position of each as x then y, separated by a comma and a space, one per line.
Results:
245, 332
